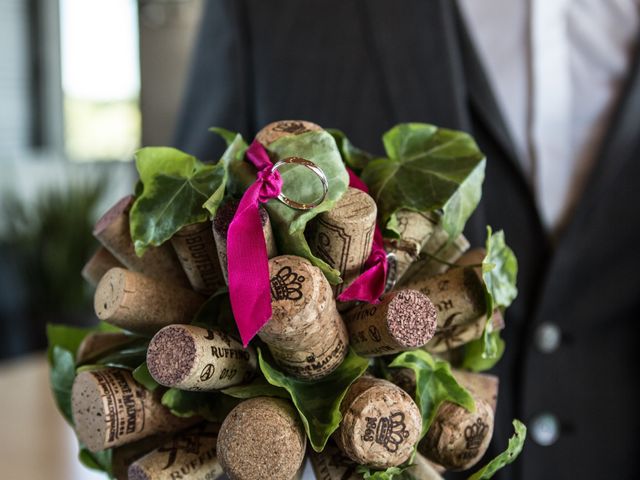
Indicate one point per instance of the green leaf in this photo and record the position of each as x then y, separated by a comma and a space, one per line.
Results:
499, 273
318, 403
427, 165
61, 375
434, 385
259, 387
463, 202
143, 377
299, 184
355, 158
233, 155
101, 461
175, 187
128, 356
516, 443
70, 338
475, 357
391, 473
212, 406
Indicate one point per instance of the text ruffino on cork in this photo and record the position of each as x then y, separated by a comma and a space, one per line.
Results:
112, 230
140, 304
110, 409
196, 250
402, 320
262, 438
222, 221
380, 423
305, 334
189, 455
198, 359
343, 236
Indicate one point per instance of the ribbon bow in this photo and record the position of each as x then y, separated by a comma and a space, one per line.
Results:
247, 262
370, 285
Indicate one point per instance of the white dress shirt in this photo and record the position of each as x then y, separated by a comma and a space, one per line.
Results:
557, 68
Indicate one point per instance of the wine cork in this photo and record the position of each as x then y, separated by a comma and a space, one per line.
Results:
332, 464
161, 263
189, 455
435, 262
285, 128
305, 334
122, 457
403, 320
472, 258
196, 250
458, 295
343, 236
457, 439
480, 385
111, 409
380, 423
141, 304
415, 229
455, 335
98, 343
423, 469
221, 224
261, 438
198, 359
100, 263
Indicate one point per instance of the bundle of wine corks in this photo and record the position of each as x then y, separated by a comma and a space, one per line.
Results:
434, 301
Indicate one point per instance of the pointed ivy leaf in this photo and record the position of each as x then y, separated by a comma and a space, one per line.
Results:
355, 158
499, 273
318, 402
175, 187
212, 406
61, 376
259, 387
101, 461
475, 356
434, 385
426, 167
463, 202
516, 444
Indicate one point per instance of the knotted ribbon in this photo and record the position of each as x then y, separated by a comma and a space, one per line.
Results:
247, 261
370, 285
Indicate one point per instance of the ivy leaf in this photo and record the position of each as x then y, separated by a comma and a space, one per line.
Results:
391, 473
475, 358
259, 387
499, 274
143, 377
100, 461
70, 338
355, 158
516, 443
434, 385
61, 374
318, 403
212, 406
175, 187
425, 168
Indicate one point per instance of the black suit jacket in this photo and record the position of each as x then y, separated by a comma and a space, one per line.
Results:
363, 66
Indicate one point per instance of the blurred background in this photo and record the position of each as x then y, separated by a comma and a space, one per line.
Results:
83, 84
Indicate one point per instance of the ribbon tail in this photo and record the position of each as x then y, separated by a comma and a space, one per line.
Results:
369, 286
248, 267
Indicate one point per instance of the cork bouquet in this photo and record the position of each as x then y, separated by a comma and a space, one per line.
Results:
298, 298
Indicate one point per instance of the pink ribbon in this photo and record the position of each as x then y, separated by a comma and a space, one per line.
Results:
247, 261
370, 285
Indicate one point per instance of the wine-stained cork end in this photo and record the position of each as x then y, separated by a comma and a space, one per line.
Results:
110, 293
285, 128
261, 438
411, 318
171, 355
121, 207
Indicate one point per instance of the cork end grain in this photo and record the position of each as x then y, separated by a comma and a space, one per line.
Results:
285, 128
110, 293
120, 208
88, 417
411, 318
355, 206
136, 472
261, 438
171, 355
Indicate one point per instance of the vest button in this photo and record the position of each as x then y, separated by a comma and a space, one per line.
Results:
547, 337
545, 429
